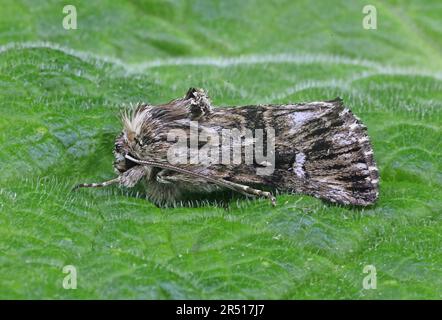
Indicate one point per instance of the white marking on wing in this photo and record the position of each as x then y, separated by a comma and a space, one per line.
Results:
299, 164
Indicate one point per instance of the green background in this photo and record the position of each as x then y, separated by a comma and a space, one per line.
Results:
61, 92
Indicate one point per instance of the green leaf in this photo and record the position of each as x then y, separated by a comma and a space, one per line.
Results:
61, 92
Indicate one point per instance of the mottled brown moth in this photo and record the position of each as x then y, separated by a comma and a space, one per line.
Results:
316, 148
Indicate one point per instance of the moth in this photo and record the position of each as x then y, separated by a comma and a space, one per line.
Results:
318, 148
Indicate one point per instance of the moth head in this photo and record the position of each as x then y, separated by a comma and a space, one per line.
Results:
145, 127
133, 138
121, 149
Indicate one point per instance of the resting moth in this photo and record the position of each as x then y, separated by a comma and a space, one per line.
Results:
318, 148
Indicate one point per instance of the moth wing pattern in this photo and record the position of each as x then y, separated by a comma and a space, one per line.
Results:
320, 149
332, 157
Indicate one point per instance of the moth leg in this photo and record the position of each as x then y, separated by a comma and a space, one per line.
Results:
163, 177
246, 190
254, 192
166, 176
97, 185
217, 181
132, 176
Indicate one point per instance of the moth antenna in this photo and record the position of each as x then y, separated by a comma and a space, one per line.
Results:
181, 170
97, 185
220, 182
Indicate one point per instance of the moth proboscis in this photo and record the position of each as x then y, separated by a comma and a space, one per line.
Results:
317, 148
